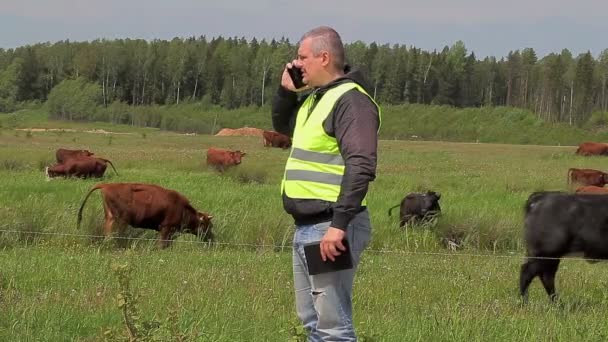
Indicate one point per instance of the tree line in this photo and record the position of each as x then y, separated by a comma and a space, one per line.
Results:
236, 72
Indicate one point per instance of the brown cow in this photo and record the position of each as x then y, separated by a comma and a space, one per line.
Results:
592, 149
221, 159
275, 139
83, 167
591, 189
150, 206
587, 177
63, 154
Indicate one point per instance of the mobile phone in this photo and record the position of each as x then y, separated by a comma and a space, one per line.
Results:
296, 76
316, 265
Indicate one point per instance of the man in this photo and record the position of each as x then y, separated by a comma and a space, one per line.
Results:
333, 158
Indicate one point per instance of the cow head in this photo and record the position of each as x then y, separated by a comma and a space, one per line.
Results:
54, 171
204, 228
236, 156
430, 203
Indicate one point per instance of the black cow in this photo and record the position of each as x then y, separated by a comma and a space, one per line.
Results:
557, 224
418, 207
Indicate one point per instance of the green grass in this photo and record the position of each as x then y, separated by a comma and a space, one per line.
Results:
57, 285
38, 118
69, 293
483, 186
403, 122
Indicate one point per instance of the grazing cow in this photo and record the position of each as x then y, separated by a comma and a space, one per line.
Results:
591, 189
151, 207
275, 139
221, 159
557, 224
83, 167
587, 177
592, 149
63, 154
418, 207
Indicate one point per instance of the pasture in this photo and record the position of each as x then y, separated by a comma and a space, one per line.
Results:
57, 283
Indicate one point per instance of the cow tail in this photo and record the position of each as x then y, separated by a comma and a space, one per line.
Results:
113, 168
99, 186
391, 209
528, 206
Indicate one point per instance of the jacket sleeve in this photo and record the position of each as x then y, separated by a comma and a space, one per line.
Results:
284, 109
355, 122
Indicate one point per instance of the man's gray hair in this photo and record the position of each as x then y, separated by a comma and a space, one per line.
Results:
325, 38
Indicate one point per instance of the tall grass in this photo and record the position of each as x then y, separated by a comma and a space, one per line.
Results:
56, 282
483, 186
70, 293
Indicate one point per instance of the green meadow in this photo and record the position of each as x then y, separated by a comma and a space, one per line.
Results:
60, 283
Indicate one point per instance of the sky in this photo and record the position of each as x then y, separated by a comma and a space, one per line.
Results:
487, 27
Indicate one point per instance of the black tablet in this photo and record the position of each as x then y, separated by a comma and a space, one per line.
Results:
316, 265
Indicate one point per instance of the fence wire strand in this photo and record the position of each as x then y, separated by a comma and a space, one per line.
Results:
507, 255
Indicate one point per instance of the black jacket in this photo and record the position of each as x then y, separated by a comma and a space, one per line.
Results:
354, 122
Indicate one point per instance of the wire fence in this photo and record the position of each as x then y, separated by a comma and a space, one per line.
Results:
505, 255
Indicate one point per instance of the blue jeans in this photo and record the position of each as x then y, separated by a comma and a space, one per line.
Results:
324, 301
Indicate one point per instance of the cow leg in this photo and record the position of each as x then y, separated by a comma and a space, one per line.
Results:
549, 270
529, 270
165, 237
113, 224
406, 219
122, 234
109, 221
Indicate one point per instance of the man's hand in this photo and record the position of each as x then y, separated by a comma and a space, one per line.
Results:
286, 81
331, 244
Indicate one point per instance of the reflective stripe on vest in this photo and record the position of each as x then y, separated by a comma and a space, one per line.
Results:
315, 167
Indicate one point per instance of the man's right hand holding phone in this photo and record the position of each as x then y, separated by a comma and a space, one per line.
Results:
291, 81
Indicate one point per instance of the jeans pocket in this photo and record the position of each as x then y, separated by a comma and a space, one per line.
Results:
321, 227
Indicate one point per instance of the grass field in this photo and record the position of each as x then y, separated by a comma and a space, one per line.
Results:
57, 282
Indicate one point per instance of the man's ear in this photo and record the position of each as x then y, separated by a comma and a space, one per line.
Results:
325, 58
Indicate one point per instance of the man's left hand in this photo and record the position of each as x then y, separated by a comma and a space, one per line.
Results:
331, 244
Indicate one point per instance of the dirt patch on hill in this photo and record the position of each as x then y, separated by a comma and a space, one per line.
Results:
46, 129
244, 131
95, 131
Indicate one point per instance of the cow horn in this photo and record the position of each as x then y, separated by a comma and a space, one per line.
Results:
203, 216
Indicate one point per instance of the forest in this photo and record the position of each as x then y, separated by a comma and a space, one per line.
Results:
235, 72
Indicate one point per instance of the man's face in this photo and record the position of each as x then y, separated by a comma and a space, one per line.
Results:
312, 66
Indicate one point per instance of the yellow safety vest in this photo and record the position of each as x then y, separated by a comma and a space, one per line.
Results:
315, 167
